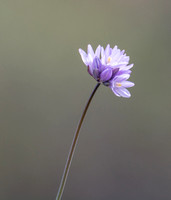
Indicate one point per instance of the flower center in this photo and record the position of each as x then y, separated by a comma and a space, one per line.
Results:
118, 84
109, 59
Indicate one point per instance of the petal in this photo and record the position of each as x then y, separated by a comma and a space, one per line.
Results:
102, 56
122, 52
90, 50
95, 67
102, 67
90, 58
97, 53
96, 74
102, 51
106, 75
90, 69
122, 77
126, 59
114, 72
125, 66
123, 92
121, 72
107, 51
96, 63
83, 56
129, 66
127, 84
114, 50
117, 56
114, 91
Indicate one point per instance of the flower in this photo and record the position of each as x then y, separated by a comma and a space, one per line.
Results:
110, 67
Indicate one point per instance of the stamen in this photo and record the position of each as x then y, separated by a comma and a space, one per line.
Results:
118, 84
109, 59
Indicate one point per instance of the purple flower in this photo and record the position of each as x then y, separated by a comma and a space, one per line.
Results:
119, 85
111, 68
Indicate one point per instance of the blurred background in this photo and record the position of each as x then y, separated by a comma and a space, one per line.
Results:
124, 146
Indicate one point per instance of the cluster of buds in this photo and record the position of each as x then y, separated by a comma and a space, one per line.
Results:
109, 67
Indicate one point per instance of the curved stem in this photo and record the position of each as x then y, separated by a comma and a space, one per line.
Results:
73, 146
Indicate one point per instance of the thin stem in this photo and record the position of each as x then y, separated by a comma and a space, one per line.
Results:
73, 146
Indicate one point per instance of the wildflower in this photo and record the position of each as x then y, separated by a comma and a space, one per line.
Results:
110, 67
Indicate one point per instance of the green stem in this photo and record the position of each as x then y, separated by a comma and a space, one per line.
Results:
73, 146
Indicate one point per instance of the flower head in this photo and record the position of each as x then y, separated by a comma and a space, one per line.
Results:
110, 67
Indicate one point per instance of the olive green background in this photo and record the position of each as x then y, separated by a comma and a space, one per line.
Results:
124, 147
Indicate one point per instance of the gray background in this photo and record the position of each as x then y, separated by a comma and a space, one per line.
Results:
124, 146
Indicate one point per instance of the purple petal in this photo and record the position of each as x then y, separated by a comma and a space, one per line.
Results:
114, 72
126, 67
90, 50
102, 68
96, 65
124, 72
90, 58
126, 59
114, 90
114, 50
127, 84
129, 66
102, 51
106, 75
102, 55
107, 50
97, 53
117, 55
83, 56
122, 52
90, 70
96, 74
123, 92
122, 77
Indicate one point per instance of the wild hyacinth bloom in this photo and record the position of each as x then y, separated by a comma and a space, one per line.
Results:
111, 68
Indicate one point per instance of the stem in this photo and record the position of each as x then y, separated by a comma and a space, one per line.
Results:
73, 146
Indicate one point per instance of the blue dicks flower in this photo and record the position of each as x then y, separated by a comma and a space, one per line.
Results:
110, 67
